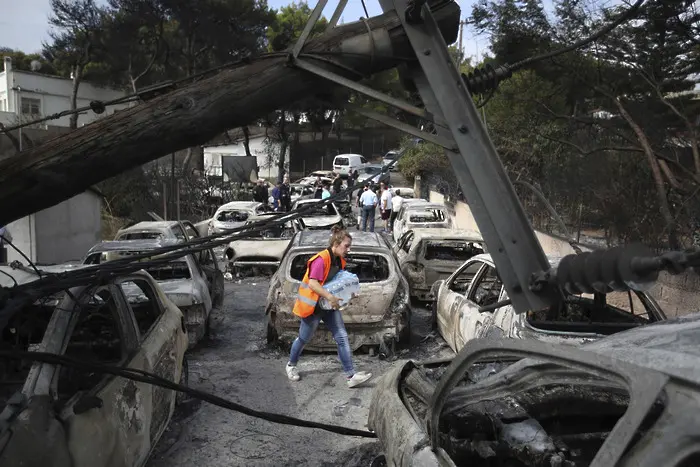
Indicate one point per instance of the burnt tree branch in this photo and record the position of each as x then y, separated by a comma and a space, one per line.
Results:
194, 114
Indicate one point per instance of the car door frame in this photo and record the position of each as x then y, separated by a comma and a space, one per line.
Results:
136, 397
475, 323
158, 345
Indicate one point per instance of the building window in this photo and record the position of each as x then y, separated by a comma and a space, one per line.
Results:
31, 106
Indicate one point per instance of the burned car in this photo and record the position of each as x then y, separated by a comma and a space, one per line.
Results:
194, 287
59, 416
233, 215
406, 204
464, 310
421, 216
159, 230
378, 318
428, 255
628, 400
262, 251
321, 217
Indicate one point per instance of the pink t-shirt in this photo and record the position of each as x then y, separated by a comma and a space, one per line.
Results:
316, 269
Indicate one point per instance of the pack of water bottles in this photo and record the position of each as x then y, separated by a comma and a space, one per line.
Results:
343, 286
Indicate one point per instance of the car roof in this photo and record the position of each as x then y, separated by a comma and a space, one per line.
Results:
349, 154
485, 257
130, 245
150, 225
319, 239
426, 205
239, 205
470, 235
309, 201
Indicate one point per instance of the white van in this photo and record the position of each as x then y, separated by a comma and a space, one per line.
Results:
345, 164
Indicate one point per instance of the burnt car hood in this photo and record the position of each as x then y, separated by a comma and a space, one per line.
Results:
321, 221
667, 348
267, 247
227, 225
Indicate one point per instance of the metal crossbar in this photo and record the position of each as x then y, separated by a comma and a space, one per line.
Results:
494, 204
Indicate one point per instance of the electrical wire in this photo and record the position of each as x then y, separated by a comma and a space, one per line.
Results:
18, 296
142, 376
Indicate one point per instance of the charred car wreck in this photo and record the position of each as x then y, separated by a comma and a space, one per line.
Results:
628, 400
61, 417
464, 310
378, 318
262, 251
428, 255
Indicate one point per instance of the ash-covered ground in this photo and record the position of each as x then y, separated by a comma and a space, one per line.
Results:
236, 363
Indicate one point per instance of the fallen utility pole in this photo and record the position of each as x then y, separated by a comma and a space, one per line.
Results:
192, 115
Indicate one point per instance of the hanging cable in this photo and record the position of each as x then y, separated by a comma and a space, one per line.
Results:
155, 380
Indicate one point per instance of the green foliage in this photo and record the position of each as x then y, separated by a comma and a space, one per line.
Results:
289, 24
421, 159
23, 62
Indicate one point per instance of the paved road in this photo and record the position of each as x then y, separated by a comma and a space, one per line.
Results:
237, 364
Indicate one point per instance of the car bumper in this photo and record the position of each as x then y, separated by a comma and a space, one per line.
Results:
359, 334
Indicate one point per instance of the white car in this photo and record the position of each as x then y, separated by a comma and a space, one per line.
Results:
345, 164
195, 287
472, 303
422, 216
158, 230
264, 250
406, 203
233, 215
321, 217
391, 158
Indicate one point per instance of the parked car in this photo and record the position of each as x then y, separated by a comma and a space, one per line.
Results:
416, 215
378, 317
429, 255
404, 192
158, 230
58, 416
301, 191
391, 160
264, 250
310, 181
233, 215
373, 174
195, 286
345, 164
627, 400
461, 317
322, 217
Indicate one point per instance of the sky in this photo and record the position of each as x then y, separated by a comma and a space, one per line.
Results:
24, 23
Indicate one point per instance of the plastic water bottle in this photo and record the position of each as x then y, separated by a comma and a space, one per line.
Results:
344, 285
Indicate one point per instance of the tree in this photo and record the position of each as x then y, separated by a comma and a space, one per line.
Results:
28, 62
289, 22
78, 27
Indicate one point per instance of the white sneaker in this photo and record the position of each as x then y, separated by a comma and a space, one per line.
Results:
292, 373
358, 378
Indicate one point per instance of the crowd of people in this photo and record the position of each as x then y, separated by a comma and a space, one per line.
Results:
368, 200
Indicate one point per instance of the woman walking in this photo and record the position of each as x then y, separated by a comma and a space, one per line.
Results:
321, 268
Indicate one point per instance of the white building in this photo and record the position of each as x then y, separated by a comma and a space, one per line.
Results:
28, 95
261, 149
58, 234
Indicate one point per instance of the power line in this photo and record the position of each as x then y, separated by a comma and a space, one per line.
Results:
155, 380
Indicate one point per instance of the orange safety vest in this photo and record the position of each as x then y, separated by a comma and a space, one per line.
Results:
307, 298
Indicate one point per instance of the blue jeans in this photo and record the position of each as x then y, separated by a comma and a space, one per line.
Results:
334, 322
368, 213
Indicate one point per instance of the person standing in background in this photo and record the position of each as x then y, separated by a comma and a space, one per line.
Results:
286, 196
325, 193
396, 201
386, 206
337, 184
276, 197
368, 203
5, 236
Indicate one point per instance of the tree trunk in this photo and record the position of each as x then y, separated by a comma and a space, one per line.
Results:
664, 207
284, 143
246, 141
77, 77
194, 114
